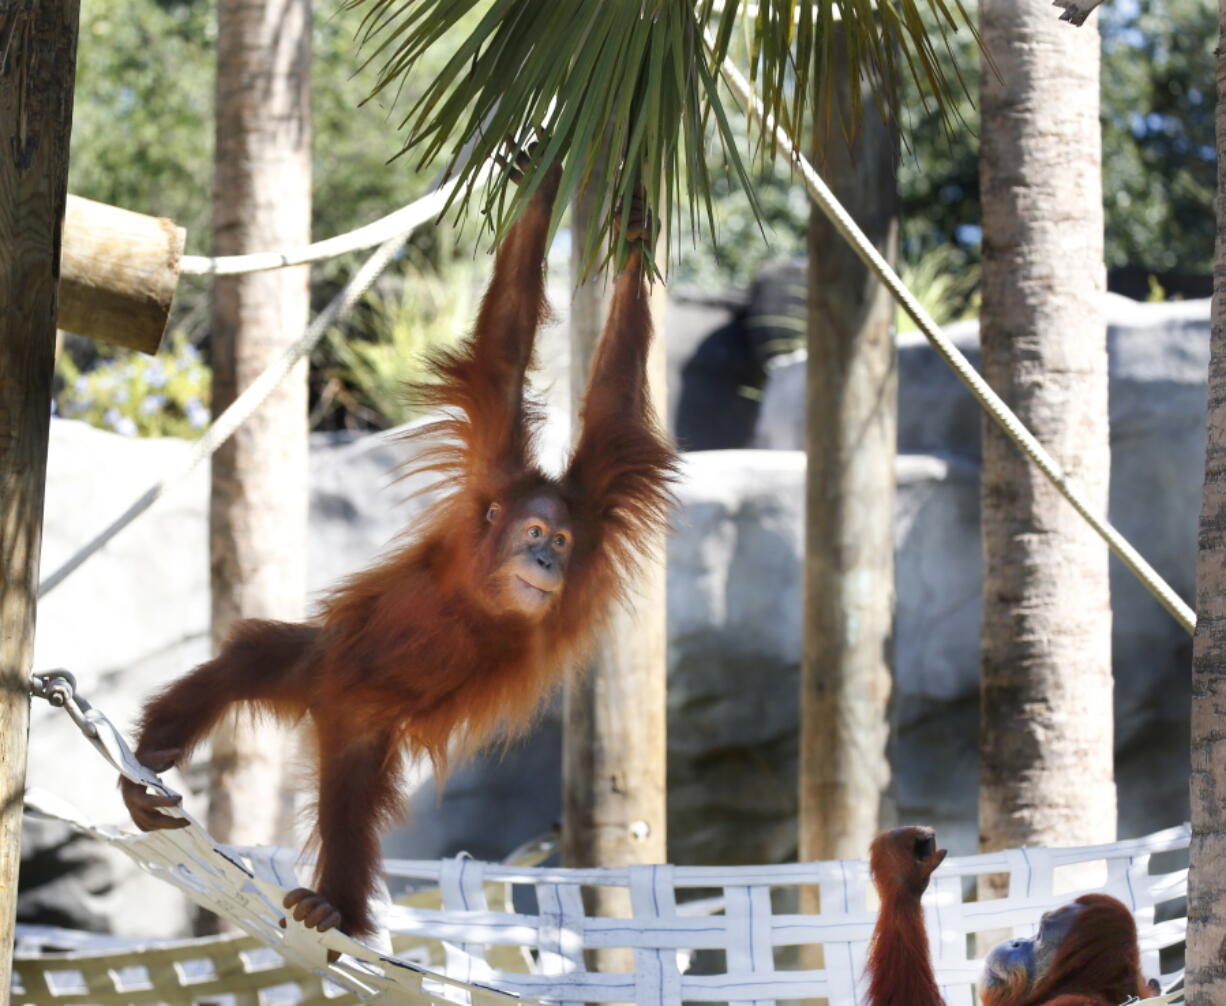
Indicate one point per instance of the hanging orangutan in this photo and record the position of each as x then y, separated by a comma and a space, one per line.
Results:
1085, 953
457, 636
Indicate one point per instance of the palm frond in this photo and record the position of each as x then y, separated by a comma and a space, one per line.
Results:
631, 87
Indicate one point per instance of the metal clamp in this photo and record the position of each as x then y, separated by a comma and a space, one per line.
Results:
59, 688
55, 686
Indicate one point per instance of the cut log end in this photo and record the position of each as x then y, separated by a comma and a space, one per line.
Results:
118, 274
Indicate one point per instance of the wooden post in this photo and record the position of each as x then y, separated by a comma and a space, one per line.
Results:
119, 271
613, 767
38, 53
259, 499
849, 540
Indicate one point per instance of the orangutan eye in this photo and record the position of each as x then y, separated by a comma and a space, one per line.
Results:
559, 540
534, 531
492, 513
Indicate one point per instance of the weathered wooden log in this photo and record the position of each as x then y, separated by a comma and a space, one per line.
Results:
37, 73
118, 274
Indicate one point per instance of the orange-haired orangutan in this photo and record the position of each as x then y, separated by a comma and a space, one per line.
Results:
459, 634
1085, 953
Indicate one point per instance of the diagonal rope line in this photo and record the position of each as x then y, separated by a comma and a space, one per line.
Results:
992, 403
258, 391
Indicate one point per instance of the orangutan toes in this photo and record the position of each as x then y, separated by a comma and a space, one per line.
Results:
924, 845
312, 909
518, 159
902, 860
639, 224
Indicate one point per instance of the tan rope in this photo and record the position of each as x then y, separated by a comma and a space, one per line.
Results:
402, 221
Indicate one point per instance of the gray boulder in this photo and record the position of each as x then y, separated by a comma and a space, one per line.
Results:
734, 586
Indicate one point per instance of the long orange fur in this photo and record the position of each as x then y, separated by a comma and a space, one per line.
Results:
900, 972
415, 656
1097, 964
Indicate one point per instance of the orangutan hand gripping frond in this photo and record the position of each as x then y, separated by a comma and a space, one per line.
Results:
460, 634
1085, 953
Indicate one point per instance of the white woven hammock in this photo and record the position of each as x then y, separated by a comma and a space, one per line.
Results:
697, 934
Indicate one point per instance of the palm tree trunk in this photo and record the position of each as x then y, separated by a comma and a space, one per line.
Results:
1206, 960
258, 509
614, 808
852, 417
1046, 725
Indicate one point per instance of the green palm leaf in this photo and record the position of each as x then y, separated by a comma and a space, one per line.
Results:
631, 87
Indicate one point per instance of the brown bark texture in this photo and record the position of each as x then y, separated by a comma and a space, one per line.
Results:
1046, 721
38, 53
258, 506
852, 416
1206, 955
614, 810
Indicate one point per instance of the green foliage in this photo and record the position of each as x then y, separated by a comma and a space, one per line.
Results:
944, 286
1158, 157
938, 212
615, 95
132, 394
1158, 144
143, 126
625, 93
143, 139
745, 243
364, 372
1159, 165
938, 172
142, 134
356, 178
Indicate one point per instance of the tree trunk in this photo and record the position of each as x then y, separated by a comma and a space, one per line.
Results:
1206, 956
258, 508
1046, 723
38, 61
852, 419
613, 768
